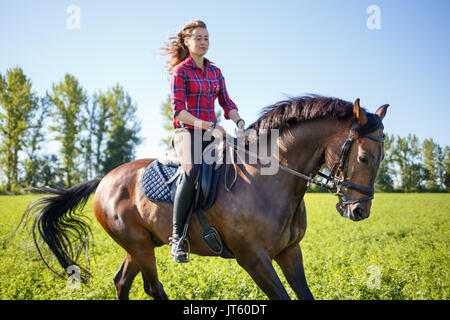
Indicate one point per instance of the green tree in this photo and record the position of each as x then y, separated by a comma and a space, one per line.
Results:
101, 116
446, 168
431, 152
406, 155
50, 173
384, 180
93, 125
18, 104
68, 99
33, 161
418, 174
124, 128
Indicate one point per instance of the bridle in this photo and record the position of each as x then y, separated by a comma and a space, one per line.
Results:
341, 164
333, 182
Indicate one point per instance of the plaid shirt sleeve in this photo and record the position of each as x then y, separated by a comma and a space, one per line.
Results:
178, 92
224, 100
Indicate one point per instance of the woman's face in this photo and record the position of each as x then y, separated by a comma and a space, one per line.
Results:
198, 43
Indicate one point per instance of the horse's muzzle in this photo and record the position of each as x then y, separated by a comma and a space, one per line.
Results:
354, 212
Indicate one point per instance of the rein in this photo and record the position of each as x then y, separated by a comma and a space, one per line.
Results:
333, 183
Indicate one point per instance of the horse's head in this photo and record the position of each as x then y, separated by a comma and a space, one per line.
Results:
353, 161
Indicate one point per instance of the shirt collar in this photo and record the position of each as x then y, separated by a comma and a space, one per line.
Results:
190, 62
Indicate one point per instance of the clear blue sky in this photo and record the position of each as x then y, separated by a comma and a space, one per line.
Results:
267, 50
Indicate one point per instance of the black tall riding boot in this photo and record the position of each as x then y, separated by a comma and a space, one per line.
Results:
181, 205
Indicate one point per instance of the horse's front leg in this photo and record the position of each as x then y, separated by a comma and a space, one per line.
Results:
291, 263
260, 268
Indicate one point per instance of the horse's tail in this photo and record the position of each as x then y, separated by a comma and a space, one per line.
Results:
60, 224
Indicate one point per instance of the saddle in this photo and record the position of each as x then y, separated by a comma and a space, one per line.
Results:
160, 183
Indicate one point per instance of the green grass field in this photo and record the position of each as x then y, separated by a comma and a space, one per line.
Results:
400, 252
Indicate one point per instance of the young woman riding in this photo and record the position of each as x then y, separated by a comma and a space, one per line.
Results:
195, 84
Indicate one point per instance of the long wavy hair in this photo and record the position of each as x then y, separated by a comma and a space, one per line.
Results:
175, 47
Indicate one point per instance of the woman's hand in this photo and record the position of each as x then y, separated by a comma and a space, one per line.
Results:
219, 132
240, 128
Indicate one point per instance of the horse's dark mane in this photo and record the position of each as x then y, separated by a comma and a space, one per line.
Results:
285, 113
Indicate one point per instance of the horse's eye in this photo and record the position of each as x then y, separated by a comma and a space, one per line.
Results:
363, 159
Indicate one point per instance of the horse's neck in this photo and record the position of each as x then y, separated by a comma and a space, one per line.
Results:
302, 149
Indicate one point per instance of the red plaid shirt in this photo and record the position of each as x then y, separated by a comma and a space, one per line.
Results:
196, 91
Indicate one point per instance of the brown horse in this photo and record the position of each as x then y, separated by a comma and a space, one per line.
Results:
262, 218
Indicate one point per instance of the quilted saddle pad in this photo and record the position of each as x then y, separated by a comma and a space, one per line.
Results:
154, 181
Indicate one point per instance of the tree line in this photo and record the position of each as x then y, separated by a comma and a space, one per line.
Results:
93, 134
410, 165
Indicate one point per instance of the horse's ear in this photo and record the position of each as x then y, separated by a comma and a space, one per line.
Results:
359, 114
381, 112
